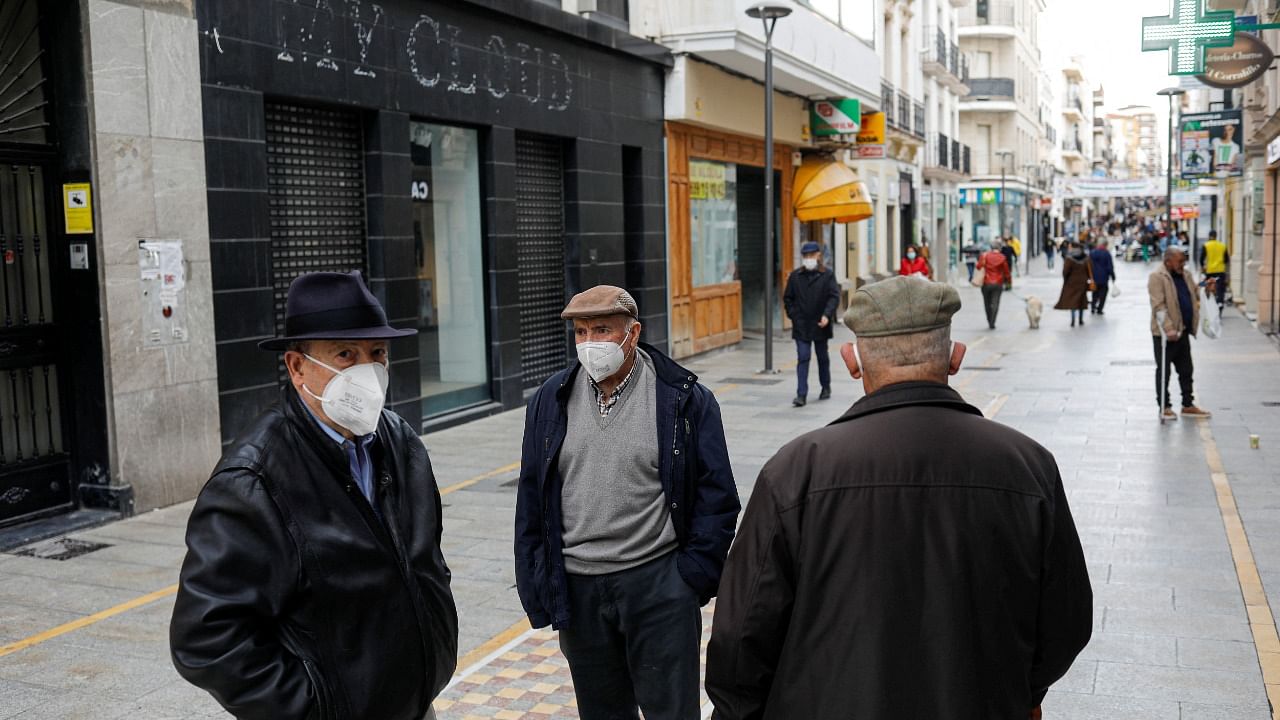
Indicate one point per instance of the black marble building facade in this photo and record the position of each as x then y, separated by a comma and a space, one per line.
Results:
501, 67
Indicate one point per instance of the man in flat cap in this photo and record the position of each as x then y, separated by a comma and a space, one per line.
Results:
810, 299
872, 580
314, 586
624, 515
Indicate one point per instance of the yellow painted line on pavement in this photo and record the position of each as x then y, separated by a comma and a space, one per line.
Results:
1261, 622
87, 621
479, 478
481, 654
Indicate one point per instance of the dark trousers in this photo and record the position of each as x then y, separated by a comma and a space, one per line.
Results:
1177, 356
971, 264
991, 301
1099, 299
1220, 292
1048, 254
633, 642
804, 349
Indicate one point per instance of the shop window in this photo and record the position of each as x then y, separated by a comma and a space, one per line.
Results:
449, 267
713, 222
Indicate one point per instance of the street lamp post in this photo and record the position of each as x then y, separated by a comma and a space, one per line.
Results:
1171, 93
768, 13
1003, 155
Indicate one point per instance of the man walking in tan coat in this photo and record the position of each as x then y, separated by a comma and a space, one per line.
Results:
1175, 314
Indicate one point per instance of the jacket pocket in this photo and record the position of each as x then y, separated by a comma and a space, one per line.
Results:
321, 708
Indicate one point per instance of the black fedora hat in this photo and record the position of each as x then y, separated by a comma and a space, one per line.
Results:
332, 306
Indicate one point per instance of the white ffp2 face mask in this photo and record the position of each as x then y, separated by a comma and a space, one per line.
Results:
810, 263
354, 397
602, 359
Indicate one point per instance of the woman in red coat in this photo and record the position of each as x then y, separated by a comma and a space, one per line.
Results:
913, 263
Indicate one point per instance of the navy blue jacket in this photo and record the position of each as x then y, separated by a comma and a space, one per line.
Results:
696, 479
1104, 269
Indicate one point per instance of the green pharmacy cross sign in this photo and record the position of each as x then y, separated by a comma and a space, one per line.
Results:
1187, 33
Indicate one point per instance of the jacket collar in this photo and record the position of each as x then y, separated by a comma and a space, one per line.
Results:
667, 370
908, 394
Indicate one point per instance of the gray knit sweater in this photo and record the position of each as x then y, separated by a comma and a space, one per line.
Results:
615, 514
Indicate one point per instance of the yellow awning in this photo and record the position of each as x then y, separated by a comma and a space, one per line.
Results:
826, 189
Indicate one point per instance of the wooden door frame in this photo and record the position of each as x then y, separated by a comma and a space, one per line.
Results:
715, 303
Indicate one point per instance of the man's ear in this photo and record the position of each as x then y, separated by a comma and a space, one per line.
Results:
958, 351
293, 363
850, 361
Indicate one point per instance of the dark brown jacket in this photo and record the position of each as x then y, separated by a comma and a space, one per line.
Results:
1076, 276
911, 560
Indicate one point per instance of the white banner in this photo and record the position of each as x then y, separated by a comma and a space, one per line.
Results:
1110, 188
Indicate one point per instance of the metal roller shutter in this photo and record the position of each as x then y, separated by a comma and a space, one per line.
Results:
540, 256
315, 179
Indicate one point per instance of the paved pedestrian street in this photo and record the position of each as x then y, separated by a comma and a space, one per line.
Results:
1180, 524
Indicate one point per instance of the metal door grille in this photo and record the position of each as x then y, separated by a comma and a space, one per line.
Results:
33, 462
315, 179
540, 256
24, 95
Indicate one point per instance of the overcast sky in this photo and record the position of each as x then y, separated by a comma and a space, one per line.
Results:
1108, 34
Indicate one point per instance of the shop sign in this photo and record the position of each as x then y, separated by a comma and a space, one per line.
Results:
1273, 150
1185, 192
1187, 33
1185, 212
1114, 187
871, 136
835, 117
1209, 144
707, 180
1236, 66
1259, 206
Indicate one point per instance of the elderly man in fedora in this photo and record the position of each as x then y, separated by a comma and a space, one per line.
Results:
870, 581
314, 586
624, 514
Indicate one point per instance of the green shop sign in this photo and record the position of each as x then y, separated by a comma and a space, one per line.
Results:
835, 117
1187, 33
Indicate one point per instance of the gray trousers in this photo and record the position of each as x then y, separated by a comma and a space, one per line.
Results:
632, 643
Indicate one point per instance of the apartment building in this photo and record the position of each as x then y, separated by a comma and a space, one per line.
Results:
947, 161
1001, 117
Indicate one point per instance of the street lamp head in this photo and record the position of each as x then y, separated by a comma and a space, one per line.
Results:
769, 10
1172, 91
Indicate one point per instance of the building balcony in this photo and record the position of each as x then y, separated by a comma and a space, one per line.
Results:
888, 97
1071, 149
943, 62
1073, 109
946, 159
990, 95
989, 18
1073, 71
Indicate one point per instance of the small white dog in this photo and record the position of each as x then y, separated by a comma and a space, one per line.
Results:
1035, 309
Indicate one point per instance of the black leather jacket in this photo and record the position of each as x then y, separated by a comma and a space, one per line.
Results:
296, 600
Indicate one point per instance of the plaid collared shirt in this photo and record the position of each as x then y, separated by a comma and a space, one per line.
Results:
606, 403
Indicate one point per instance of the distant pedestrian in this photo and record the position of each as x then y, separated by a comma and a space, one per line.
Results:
971, 253
314, 585
625, 510
1215, 263
1104, 272
1050, 251
1077, 281
913, 263
995, 277
811, 299
869, 581
1016, 245
1175, 315
1010, 255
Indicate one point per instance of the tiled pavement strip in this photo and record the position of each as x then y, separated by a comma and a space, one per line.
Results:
1172, 640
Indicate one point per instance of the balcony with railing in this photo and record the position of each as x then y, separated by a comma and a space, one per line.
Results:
918, 126
990, 13
945, 158
887, 95
1071, 147
943, 61
904, 111
990, 94
1073, 107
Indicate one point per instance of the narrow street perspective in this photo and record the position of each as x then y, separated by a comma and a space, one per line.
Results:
622, 359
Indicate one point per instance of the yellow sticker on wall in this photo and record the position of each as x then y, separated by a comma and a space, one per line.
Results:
77, 208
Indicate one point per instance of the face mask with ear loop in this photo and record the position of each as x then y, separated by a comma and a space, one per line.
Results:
857, 357
603, 359
354, 397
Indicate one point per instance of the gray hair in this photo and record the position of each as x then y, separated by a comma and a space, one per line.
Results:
997, 244
1172, 252
923, 353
